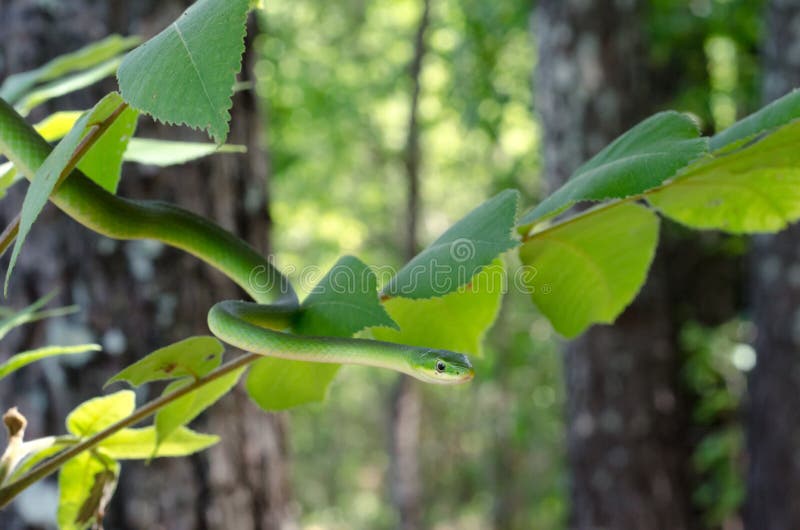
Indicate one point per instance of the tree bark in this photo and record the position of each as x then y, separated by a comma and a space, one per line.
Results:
773, 425
138, 296
626, 416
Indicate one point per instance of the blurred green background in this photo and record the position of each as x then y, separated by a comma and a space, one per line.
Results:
335, 84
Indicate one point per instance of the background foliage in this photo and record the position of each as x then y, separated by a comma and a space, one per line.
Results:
335, 87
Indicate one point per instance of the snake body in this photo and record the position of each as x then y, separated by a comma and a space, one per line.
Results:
254, 327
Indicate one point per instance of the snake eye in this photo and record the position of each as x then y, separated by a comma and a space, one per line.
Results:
440, 366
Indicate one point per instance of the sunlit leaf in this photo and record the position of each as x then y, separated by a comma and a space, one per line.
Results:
15, 86
98, 413
27, 357
462, 251
85, 483
193, 357
57, 125
52, 128
186, 408
66, 85
141, 150
8, 177
588, 269
461, 318
46, 448
168, 153
103, 162
135, 444
186, 73
278, 384
642, 158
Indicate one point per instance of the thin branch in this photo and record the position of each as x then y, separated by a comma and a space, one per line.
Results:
9, 234
593, 211
95, 132
411, 158
7, 493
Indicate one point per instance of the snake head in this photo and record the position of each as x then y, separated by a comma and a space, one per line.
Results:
443, 367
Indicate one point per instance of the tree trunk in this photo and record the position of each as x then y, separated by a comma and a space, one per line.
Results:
773, 425
138, 296
406, 400
626, 416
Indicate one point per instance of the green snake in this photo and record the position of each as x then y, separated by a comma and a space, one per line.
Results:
255, 327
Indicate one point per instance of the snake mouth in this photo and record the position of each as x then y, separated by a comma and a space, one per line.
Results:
465, 377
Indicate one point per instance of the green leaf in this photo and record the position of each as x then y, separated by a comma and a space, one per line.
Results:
135, 444
57, 125
193, 357
47, 176
10, 319
103, 162
779, 112
185, 409
752, 189
98, 413
589, 268
278, 384
343, 302
186, 73
66, 85
642, 158
462, 251
25, 358
86, 484
166, 153
15, 86
462, 317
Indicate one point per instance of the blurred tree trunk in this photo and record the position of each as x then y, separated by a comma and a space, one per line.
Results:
406, 399
138, 296
773, 424
627, 418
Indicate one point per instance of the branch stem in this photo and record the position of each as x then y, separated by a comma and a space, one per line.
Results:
8, 492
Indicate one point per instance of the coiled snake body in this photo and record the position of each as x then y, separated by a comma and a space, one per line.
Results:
246, 325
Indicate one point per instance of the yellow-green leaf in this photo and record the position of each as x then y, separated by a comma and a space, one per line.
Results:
343, 302
98, 413
457, 321
139, 444
86, 484
186, 408
755, 188
588, 269
193, 357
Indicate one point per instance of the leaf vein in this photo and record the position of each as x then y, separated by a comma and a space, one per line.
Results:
194, 65
575, 249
